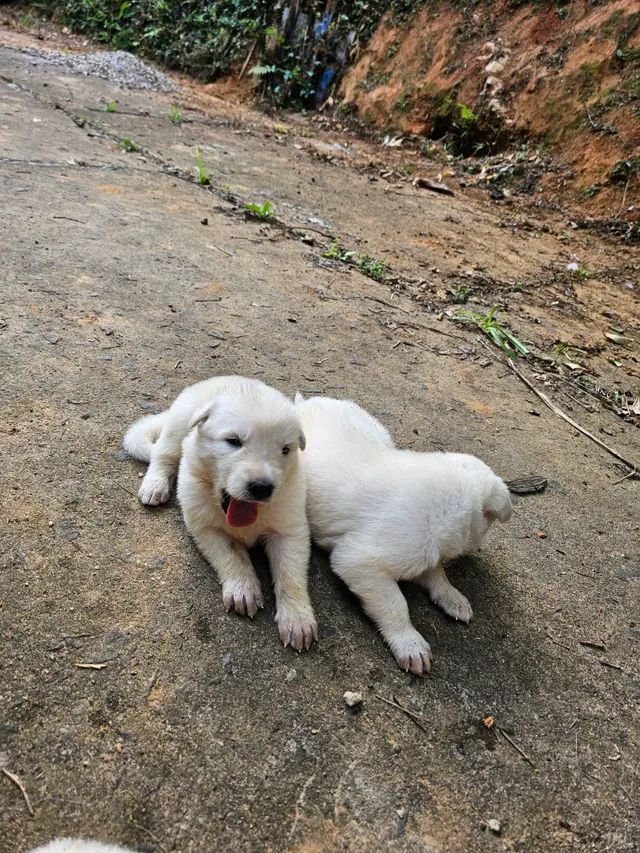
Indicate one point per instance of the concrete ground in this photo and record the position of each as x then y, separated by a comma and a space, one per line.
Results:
192, 730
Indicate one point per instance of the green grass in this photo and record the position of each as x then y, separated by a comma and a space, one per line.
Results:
202, 176
498, 333
372, 267
175, 115
128, 145
109, 107
263, 211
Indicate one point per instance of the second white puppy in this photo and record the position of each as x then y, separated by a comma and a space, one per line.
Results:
240, 482
390, 515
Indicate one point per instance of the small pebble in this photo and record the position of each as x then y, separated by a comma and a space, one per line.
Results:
352, 699
494, 825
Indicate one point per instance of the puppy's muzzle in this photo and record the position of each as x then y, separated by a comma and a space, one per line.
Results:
260, 490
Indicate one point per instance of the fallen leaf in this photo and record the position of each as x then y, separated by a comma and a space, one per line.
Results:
617, 338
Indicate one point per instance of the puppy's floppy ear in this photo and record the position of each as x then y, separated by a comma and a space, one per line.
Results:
302, 441
497, 503
200, 415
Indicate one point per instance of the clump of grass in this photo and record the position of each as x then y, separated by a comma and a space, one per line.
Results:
578, 270
203, 178
496, 331
109, 107
372, 267
175, 115
335, 252
128, 145
262, 211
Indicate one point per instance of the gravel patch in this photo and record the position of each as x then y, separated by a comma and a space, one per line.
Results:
119, 67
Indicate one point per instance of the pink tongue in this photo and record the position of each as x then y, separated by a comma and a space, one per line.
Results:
241, 513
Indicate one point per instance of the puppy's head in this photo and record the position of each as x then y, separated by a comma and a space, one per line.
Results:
251, 438
494, 504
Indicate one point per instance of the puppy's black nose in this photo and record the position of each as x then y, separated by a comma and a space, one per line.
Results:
260, 490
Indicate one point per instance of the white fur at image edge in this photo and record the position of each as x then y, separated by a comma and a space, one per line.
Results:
80, 845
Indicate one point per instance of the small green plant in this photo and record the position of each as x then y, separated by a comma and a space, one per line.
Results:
335, 252
393, 48
202, 176
128, 145
498, 332
578, 270
262, 211
461, 294
624, 170
109, 107
373, 267
175, 115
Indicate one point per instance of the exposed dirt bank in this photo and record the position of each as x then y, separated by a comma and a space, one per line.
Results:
567, 77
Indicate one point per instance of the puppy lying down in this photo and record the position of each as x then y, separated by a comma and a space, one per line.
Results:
236, 442
390, 515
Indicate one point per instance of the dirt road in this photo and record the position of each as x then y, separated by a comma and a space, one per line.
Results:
123, 281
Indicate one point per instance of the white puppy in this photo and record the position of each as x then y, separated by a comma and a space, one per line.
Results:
236, 441
389, 515
80, 845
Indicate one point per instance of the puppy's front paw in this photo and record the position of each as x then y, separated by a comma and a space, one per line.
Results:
154, 491
297, 627
243, 596
412, 653
454, 603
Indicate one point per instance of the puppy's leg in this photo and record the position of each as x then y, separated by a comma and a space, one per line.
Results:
241, 589
165, 455
445, 595
387, 607
289, 559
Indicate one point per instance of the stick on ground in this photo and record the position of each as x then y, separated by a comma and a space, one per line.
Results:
557, 411
415, 718
16, 781
517, 748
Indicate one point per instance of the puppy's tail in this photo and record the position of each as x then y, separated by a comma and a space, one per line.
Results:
298, 398
497, 502
139, 438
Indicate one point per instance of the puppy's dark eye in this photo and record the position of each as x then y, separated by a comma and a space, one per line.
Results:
233, 441
285, 450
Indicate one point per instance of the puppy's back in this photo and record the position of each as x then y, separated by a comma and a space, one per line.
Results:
340, 419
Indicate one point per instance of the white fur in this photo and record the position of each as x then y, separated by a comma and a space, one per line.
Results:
80, 845
192, 435
388, 515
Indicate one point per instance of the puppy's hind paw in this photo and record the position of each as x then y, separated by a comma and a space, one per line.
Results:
296, 628
154, 491
413, 654
244, 597
454, 604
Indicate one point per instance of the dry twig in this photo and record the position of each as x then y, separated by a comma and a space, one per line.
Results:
395, 704
516, 747
16, 781
558, 411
